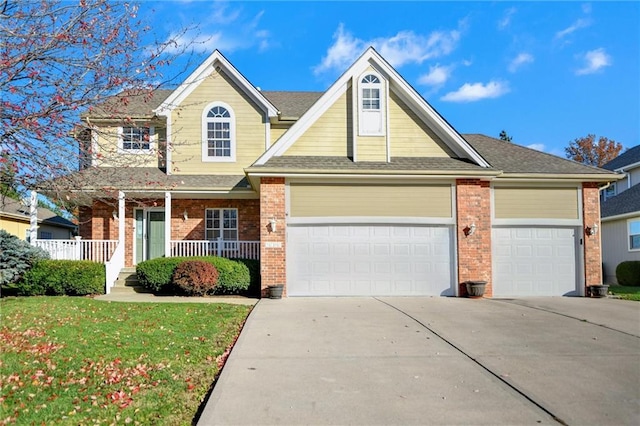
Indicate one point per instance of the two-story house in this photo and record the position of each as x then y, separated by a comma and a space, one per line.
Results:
363, 189
620, 210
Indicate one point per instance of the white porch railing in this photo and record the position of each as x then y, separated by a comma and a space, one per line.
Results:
113, 267
95, 250
221, 248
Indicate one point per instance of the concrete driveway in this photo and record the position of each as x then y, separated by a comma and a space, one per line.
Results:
433, 361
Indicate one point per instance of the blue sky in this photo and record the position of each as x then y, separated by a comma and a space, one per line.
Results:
546, 72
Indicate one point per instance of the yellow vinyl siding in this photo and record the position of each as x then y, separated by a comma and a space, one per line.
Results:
15, 227
539, 203
327, 200
330, 135
371, 148
277, 130
109, 156
187, 128
410, 136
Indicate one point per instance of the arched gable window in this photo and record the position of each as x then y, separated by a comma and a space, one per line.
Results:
218, 133
370, 85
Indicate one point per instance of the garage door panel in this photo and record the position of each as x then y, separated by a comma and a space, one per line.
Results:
369, 260
534, 261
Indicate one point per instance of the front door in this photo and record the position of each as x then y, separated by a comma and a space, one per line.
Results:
149, 234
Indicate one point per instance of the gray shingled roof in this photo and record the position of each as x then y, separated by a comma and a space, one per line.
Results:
345, 163
512, 158
17, 208
147, 179
130, 104
625, 202
630, 156
292, 104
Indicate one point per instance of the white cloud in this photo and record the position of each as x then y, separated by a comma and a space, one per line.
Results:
233, 31
506, 19
436, 76
594, 61
537, 146
580, 23
520, 60
471, 92
402, 48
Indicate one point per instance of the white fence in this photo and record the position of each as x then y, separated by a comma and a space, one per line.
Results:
95, 250
221, 248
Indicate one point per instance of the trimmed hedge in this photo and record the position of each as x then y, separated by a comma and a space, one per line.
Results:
63, 277
628, 273
254, 289
156, 274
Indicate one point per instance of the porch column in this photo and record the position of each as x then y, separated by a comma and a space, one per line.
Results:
167, 224
121, 218
33, 218
272, 239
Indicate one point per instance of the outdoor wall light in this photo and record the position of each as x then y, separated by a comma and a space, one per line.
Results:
114, 215
185, 215
272, 224
593, 230
470, 230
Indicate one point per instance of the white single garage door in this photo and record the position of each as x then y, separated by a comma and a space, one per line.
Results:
369, 260
534, 261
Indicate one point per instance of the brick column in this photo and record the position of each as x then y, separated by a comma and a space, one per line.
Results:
272, 243
592, 247
473, 202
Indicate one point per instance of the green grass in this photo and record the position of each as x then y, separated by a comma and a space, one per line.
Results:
81, 361
625, 292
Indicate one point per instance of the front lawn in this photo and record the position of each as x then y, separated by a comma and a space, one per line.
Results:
625, 292
81, 361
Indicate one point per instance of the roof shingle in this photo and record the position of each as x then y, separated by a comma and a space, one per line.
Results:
630, 156
625, 202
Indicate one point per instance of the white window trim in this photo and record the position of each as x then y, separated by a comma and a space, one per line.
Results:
152, 144
381, 111
629, 234
232, 135
222, 229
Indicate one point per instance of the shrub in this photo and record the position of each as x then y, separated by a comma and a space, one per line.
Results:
16, 257
254, 277
628, 273
63, 277
195, 277
156, 274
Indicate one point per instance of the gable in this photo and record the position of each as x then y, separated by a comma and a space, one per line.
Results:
369, 145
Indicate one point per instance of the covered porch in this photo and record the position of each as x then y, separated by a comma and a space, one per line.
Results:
135, 227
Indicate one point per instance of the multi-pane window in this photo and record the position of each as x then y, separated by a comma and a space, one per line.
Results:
634, 234
221, 223
370, 93
610, 191
136, 138
218, 128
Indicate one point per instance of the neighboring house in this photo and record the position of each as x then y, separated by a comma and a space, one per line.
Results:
361, 190
620, 211
15, 219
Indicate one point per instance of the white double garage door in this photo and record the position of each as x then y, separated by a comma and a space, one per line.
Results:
403, 260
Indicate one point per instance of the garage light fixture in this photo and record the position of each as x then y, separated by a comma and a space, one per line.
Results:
114, 215
593, 230
470, 230
272, 224
185, 215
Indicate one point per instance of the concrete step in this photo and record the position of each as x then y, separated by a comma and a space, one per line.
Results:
129, 289
127, 278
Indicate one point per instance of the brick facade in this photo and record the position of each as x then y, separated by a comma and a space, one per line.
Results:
272, 244
473, 203
592, 244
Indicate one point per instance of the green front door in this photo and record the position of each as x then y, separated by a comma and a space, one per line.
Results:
155, 234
